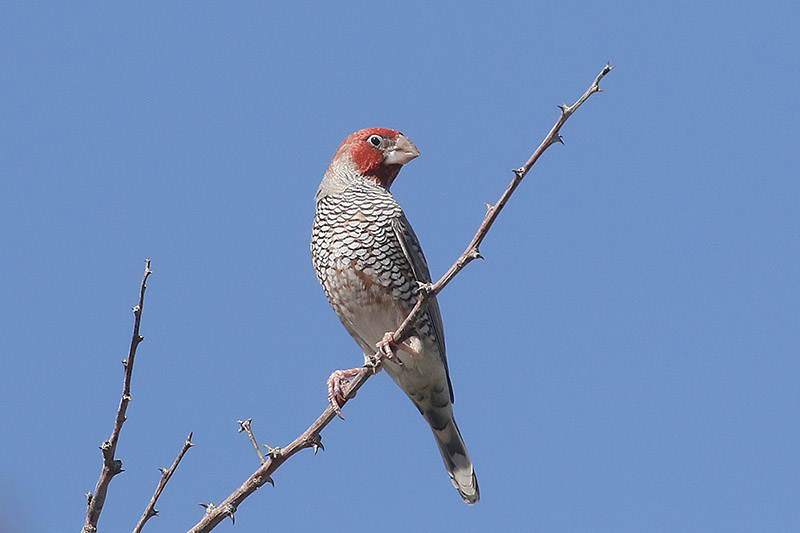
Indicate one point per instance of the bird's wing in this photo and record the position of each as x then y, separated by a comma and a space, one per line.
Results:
413, 252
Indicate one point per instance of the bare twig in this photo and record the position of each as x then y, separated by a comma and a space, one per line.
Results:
244, 425
112, 466
166, 473
311, 437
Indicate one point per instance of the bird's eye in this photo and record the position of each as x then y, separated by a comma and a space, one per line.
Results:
375, 140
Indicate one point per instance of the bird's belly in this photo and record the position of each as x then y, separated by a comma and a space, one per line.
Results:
369, 310
366, 307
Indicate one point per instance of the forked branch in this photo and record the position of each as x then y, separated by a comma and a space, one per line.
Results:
311, 437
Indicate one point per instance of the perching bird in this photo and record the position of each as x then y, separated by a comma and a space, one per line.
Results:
370, 264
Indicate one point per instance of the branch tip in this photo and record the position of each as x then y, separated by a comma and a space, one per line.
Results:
112, 466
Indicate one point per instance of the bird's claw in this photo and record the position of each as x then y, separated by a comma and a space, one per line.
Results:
387, 349
388, 346
336, 383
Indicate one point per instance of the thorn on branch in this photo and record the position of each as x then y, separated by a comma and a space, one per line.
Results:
207, 506
315, 441
423, 288
230, 509
372, 362
244, 425
115, 467
273, 452
260, 481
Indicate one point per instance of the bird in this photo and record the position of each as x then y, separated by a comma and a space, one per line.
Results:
371, 267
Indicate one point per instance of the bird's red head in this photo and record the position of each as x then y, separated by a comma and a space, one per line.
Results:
377, 153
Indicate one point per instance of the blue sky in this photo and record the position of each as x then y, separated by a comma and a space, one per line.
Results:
625, 359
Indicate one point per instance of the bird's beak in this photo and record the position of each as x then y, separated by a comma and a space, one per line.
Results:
402, 152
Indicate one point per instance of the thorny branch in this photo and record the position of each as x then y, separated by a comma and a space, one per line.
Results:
150, 511
311, 437
112, 466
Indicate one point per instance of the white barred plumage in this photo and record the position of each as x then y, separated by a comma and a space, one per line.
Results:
370, 263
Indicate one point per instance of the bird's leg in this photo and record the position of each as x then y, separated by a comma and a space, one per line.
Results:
388, 348
336, 383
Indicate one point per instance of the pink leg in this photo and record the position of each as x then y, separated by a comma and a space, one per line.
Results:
336, 383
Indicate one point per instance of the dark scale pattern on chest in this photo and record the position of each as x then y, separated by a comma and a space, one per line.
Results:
361, 264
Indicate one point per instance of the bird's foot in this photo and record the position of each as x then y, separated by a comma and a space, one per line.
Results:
387, 348
336, 382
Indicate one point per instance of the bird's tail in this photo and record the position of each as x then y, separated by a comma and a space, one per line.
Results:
455, 456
